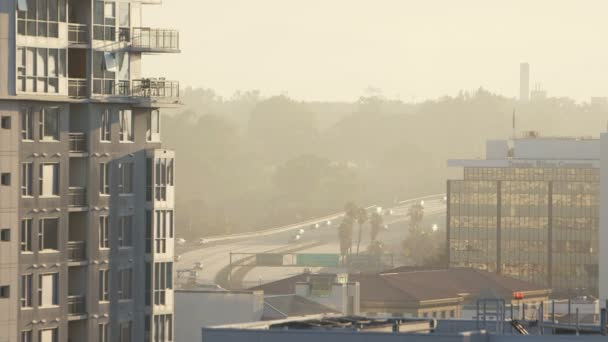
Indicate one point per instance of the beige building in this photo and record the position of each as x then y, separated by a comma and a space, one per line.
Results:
86, 191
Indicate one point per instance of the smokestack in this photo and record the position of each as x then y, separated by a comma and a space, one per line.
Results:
524, 82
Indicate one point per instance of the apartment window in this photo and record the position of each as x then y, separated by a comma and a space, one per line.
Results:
153, 131
125, 331
48, 290
164, 230
125, 119
27, 124
148, 284
40, 18
104, 20
104, 285
49, 124
124, 21
163, 280
104, 241
26, 336
104, 332
104, 178
26, 235
125, 231
163, 177
124, 289
104, 75
48, 234
125, 185
5, 292
149, 230
26, 179
163, 328
5, 178
48, 335
49, 179
106, 125
39, 69
5, 234
5, 122
26, 290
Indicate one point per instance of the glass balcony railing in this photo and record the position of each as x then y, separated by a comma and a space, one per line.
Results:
77, 250
154, 40
78, 33
78, 142
77, 197
77, 305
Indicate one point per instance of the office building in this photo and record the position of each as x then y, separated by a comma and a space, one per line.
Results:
524, 82
530, 210
86, 192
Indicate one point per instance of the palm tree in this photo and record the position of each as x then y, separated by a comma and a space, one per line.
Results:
376, 223
361, 219
345, 235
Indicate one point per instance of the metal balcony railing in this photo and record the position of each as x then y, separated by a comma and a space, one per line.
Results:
77, 305
78, 33
77, 197
77, 250
78, 142
77, 87
145, 38
155, 87
111, 88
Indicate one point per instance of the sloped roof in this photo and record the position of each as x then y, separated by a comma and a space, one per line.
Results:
421, 285
292, 305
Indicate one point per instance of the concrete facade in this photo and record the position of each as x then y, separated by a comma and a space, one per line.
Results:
68, 222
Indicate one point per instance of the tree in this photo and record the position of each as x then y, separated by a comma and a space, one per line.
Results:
376, 223
361, 219
345, 235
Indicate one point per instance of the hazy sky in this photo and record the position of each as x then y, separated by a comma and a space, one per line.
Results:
334, 49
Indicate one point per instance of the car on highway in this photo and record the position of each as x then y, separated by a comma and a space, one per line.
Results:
328, 223
388, 212
295, 238
180, 241
198, 266
301, 231
315, 226
203, 241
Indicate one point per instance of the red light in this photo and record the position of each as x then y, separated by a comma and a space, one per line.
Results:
518, 295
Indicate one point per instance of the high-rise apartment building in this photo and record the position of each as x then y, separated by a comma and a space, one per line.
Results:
524, 82
86, 191
530, 210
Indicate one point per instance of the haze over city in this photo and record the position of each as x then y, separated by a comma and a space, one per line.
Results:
413, 50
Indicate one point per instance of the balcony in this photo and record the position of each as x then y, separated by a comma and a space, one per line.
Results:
77, 251
77, 197
103, 87
77, 88
78, 34
155, 88
78, 143
77, 306
145, 39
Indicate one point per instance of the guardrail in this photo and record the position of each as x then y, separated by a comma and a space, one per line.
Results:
282, 229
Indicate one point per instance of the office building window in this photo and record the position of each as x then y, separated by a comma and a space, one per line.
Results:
104, 332
27, 124
5, 178
104, 241
48, 335
153, 131
125, 119
163, 281
163, 328
39, 69
40, 18
124, 289
26, 235
125, 186
26, 336
5, 122
49, 179
5, 234
104, 285
48, 234
104, 178
49, 124
48, 289
106, 125
26, 179
125, 331
26, 290
125, 231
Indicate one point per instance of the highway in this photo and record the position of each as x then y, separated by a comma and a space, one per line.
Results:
215, 256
